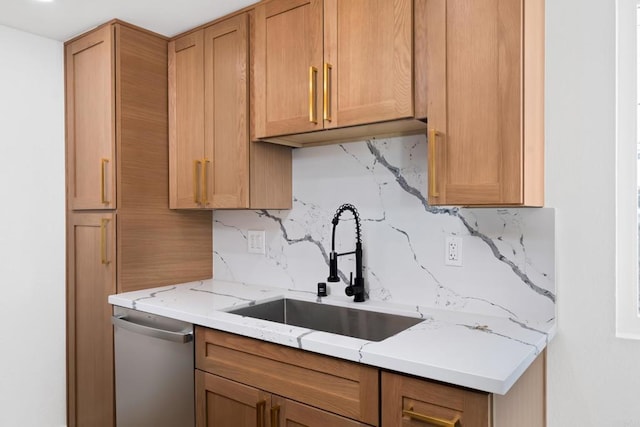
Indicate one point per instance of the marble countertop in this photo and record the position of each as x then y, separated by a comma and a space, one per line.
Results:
477, 351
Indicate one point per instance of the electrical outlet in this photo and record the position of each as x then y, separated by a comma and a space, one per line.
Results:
255, 242
453, 251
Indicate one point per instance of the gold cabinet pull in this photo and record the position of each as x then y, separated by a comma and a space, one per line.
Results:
196, 181
434, 421
433, 189
205, 179
103, 181
260, 407
313, 114
275, 416
103, 241
327, 92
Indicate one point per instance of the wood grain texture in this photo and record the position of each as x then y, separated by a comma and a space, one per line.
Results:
186, 120
224, 403
369, 44
90, 121
329, 384
296, 414
282, 63
271, 176
525, 403
141, 111
90, 390
431, 399
163, 248
226, 144
484, 130
533, 132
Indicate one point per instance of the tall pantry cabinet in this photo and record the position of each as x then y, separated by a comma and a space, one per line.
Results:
121, 235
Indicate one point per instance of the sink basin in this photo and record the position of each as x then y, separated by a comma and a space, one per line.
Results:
364, 324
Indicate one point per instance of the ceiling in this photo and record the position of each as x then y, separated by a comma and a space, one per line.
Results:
64, 19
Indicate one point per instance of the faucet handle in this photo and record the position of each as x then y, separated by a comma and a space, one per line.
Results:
349, 289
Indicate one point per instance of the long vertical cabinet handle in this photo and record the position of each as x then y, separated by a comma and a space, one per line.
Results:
327, 92
103, 241
433, 188
103, 181
205, 180
260, 407
434, 421
275, 416
196, 181
313, 114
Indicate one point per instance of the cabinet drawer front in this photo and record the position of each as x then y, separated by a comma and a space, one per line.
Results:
337, 386
410, 401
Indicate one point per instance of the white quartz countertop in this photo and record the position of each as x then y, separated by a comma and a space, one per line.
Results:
477, 351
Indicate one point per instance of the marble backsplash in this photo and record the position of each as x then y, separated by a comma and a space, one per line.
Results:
508, 254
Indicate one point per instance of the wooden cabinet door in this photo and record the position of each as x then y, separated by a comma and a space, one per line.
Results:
476, 88
226, 162
287, 413
224, 403
369, 47
186, 121
410, 401
91, 161
91, 279
288, 56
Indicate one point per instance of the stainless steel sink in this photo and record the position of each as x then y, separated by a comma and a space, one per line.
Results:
368, 325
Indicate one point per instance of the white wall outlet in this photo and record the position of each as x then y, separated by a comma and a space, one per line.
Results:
255, 242
453, 251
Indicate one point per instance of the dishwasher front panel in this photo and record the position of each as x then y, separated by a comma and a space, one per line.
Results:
154, 370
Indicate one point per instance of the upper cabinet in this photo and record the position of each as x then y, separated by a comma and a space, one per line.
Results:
321, 65
91, 142
213, 164
485, 92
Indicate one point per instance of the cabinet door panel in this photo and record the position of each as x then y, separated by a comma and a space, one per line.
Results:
226, 168
186, 116
288, 43
475, 100
410, 401
369, 46
91, 251
91, 121
224, 403
294, 414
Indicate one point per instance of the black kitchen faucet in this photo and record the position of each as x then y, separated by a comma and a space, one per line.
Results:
355, 289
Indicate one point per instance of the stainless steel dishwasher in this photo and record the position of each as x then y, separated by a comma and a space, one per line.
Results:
154, 370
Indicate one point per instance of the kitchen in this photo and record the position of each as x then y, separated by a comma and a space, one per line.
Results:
582, 389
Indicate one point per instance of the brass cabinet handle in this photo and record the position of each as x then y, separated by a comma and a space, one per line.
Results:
260, 406
196, 181
433, 189
275, 416
434, 421
205, 198
327, 92
103, 241
313, 114
103, 181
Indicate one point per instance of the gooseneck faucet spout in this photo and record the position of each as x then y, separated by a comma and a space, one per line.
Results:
355, 288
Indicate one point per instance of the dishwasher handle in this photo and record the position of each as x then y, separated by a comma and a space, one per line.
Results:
124, 323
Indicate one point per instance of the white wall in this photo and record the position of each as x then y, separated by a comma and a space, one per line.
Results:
593, 377
32, 260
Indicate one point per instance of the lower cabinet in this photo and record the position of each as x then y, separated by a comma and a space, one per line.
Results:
224, 403
410, 401
247, 382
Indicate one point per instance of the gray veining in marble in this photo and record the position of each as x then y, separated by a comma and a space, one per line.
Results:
508, 254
